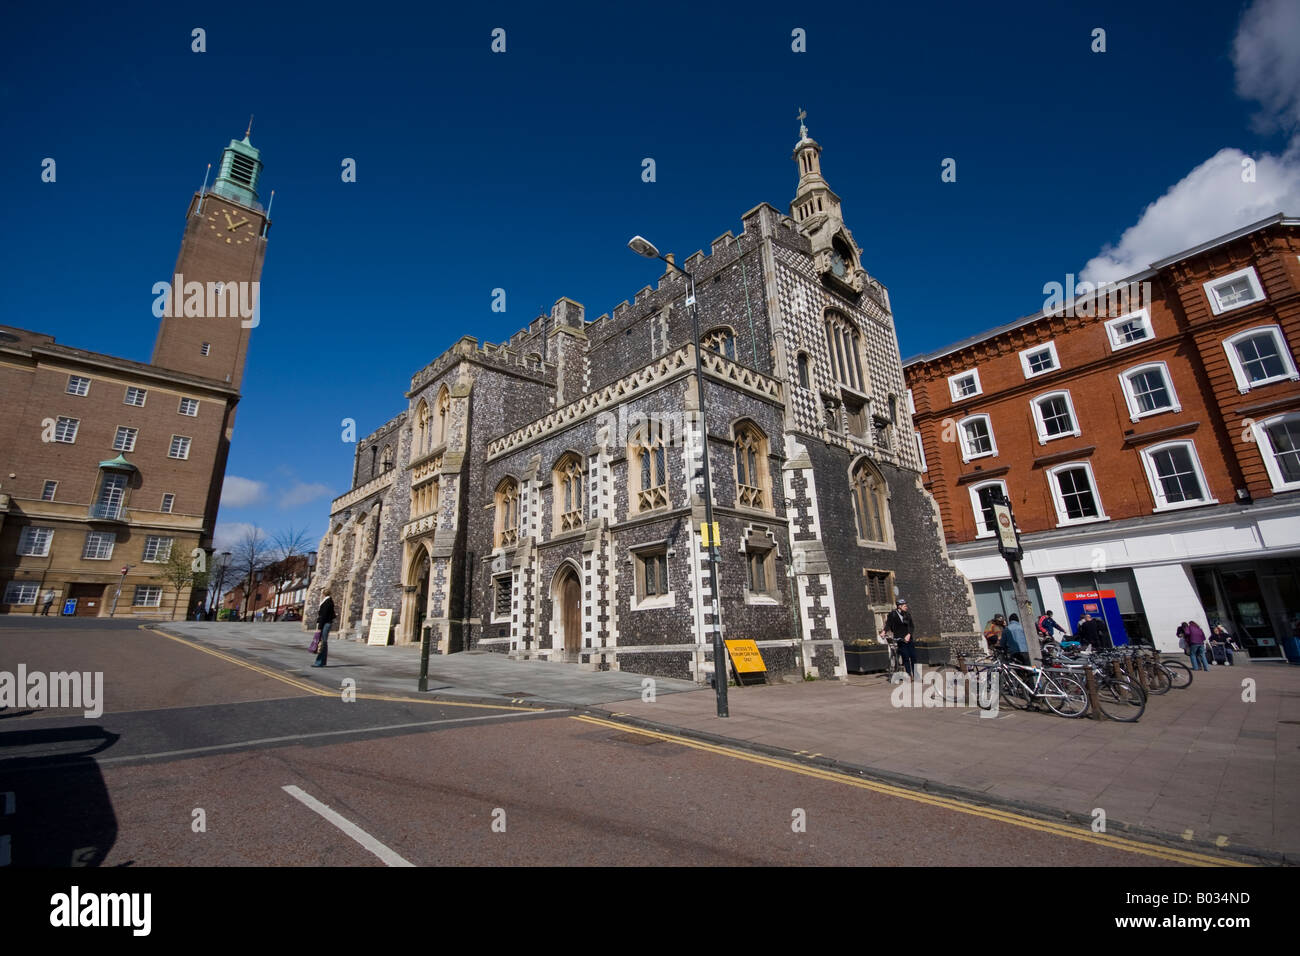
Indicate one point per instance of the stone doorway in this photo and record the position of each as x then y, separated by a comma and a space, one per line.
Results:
415, 600
568, 603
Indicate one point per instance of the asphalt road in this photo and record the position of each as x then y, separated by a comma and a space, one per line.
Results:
200, 760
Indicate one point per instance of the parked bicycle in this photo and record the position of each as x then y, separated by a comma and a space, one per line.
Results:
1022, 687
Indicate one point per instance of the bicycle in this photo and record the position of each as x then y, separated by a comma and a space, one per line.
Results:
1064, 695
1117, 698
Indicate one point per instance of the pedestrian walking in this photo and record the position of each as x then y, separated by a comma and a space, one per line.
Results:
993, 631
1196, 645
899, 624
49, 600
324, 619
1013, 641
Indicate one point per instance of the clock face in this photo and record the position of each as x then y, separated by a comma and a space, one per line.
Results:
235, 228
837, 264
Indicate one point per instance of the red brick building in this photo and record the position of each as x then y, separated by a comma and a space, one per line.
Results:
1147, 437
109, 467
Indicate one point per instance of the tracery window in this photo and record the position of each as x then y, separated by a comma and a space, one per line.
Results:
871, 503
507, 513
649, 460
720, 341
568, 494
751, 467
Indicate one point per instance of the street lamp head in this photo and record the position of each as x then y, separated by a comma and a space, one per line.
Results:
643, 247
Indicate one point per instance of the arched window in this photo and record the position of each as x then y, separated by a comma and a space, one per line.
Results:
721, 341
442, 416
386, 459
568, 494
871, 503
374, 454
804, 379
844, 344
751, 467
648, 461
422, 437
507, 517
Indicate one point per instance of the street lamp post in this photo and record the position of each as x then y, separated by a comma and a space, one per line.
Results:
643, 247
118, 592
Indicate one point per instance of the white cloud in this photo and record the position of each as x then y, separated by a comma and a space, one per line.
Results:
239, 492
1266, 54
300, 493
1207, 202
1212, 199
229, 534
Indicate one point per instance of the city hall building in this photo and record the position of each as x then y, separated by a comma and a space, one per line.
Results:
544, 497
108, 466
1148, 441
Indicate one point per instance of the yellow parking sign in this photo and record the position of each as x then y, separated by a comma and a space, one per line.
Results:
745, 655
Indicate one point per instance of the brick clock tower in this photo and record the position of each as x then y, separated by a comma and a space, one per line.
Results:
214, 297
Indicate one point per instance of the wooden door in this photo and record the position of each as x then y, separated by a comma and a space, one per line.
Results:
90, 598
571, 613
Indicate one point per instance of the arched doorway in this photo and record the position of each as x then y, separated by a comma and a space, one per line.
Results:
415, 600
566, 592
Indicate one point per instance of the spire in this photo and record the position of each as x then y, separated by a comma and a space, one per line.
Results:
241, 168
813, 199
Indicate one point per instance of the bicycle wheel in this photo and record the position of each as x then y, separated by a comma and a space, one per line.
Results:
1011, 690
952, 684
1120, 700
1180, 675
1159, 680
1065, 696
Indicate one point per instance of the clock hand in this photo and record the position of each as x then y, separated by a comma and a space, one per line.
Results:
240, 223
227, 215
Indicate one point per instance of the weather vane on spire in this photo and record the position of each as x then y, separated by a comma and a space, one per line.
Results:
803, 130
248, 131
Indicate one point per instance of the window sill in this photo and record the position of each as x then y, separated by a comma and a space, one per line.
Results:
1138, 416
658, 601
983, 454
1044, 439
1070, 522
1182, 505
1251, 386
760, 599
878, 545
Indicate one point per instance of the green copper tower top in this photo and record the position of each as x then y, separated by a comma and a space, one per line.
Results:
241, 168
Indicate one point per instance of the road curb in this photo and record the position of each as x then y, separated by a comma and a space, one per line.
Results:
938, 788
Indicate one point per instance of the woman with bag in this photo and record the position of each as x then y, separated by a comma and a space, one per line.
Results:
1196, 646
324, 618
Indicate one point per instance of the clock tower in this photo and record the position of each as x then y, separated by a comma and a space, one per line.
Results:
212, 303
816, 209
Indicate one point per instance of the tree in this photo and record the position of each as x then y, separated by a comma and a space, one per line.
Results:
290, 548
180, 572
248, 557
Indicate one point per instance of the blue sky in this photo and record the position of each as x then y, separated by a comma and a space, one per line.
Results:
522, 170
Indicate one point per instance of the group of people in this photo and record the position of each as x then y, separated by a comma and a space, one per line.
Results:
1002, 636
1220, 644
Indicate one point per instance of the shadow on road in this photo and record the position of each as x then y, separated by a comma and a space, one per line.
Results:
59, 814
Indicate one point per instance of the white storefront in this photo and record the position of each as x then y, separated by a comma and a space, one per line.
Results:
1238, 564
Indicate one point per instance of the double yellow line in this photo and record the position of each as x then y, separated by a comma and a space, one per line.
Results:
1172, 854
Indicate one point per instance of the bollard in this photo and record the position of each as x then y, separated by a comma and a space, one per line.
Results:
1140, 667
1090, 679
424, 658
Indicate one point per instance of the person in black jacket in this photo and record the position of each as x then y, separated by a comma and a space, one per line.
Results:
324, 619
899, 624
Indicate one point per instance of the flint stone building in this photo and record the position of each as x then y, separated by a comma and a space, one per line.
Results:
543, 497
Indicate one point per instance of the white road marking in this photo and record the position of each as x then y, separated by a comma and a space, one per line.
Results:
347, 826
192, 751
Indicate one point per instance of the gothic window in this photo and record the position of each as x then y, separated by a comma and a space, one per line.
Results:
568, 494
374, 455
507, 516
648, 460
421, 429
751, 467
386, 459
759, 579
871, 503
442, 417
802, 363
720, 341
844, 344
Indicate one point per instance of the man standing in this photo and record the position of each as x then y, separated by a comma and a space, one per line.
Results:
324, 618
899, 624
49, 599
1090, 633
1014, 642
1046, 625
1196, 645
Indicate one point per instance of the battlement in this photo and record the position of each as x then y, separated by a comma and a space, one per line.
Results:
387, 426
528, 364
